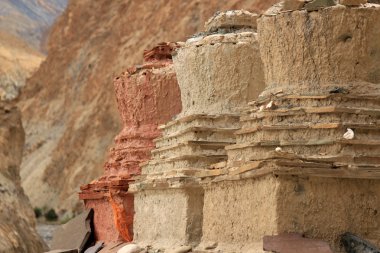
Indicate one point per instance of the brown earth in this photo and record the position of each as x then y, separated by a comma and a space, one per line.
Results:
69, 106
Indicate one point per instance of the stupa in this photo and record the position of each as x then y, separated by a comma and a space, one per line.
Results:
218, 72
147, 96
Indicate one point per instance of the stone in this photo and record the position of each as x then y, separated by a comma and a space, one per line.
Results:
354, 244
349, 135
352, 2
112, 247
318, 4
211, 245
96, 248
182, 249
130, 248
293, 5
278, 149
75, 234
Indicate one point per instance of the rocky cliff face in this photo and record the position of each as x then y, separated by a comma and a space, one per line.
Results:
30, 19
17, 221
69, 106
23, 28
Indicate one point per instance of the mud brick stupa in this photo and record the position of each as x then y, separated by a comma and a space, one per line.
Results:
278, 133
147, 95
218, 72
293, 168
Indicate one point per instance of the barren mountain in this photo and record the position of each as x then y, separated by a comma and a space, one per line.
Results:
68, 105
29, 19
17, 221
23, 28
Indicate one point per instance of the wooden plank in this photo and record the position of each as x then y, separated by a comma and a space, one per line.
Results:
312, 142
310, 110
197, 129
192, 117
202, 144
212, 158
374, 96
303, 164
359, 142
212, 173
246, 167
288, 127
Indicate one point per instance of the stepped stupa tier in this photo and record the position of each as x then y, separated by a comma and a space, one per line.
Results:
147, 95
323, 107
306, 158
218, 72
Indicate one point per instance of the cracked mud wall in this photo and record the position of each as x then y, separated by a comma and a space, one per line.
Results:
237, 214
205, 73
309, 57
325, 208
168, 217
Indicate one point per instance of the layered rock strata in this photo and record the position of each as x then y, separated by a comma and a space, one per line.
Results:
17, 221
218, 72
306, 158
147, 95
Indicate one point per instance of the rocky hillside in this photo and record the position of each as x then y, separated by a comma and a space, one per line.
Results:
68, 105
23, 28
17, 231
30, 19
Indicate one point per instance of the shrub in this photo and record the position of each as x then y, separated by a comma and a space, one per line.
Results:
51, 215
37, 212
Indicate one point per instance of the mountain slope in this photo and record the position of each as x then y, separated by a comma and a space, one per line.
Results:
17, 220
69, 107
23, 28
29, 19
